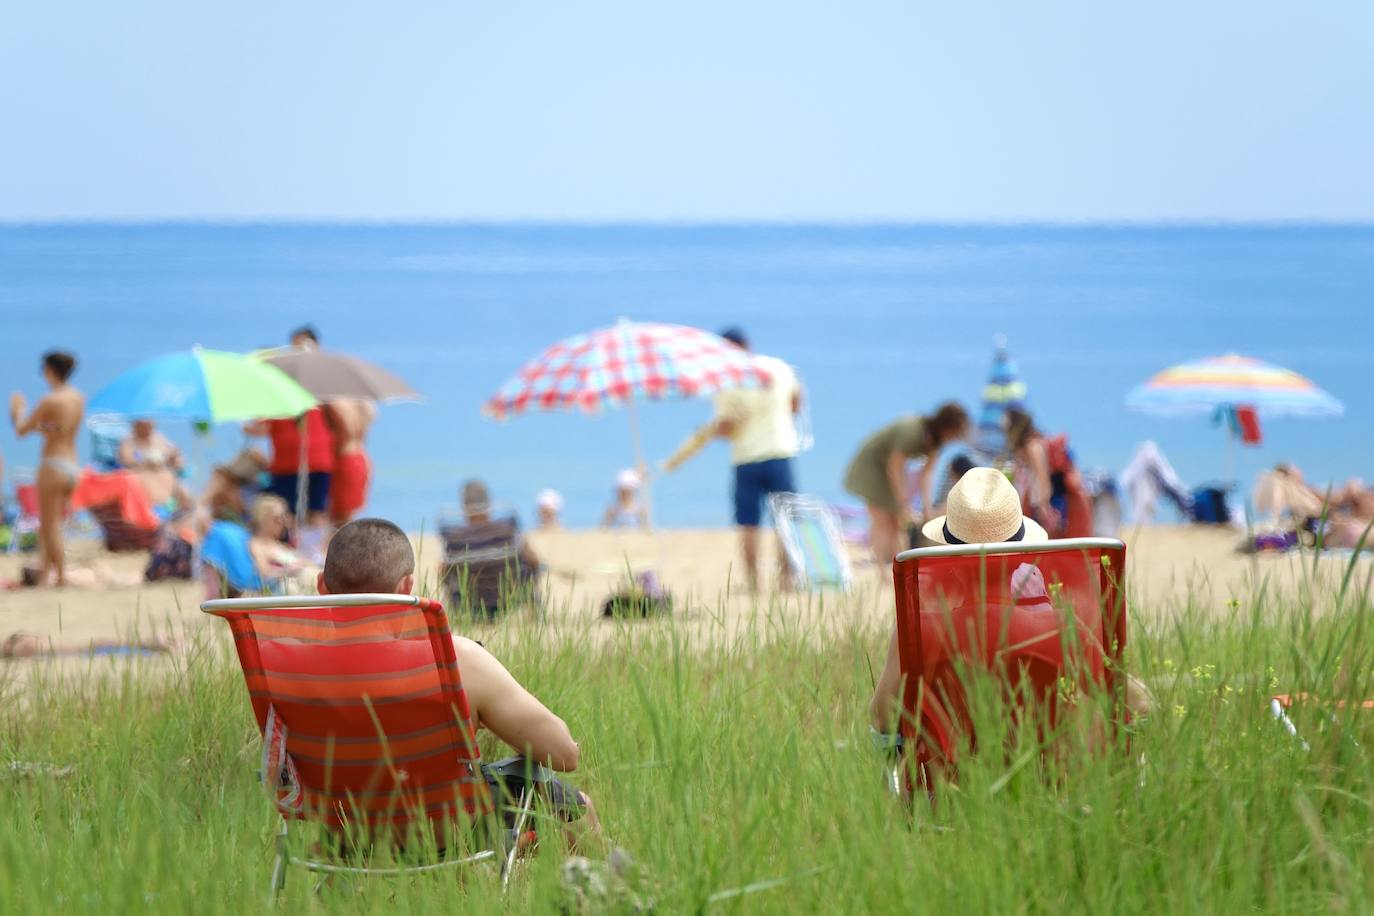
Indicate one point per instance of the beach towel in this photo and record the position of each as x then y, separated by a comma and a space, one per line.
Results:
225, 549
810, 534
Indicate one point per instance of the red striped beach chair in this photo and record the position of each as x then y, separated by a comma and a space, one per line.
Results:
1037, 617
367, 731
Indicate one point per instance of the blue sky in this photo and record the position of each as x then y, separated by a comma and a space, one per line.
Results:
699, 110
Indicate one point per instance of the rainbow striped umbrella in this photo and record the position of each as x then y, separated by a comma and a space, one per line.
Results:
1201, 387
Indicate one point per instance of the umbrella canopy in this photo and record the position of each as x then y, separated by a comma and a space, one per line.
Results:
1004, 391
327, 375
203, 385
1232, 381
626, 361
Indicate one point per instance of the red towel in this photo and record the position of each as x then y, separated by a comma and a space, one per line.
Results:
1248, 421
119, 487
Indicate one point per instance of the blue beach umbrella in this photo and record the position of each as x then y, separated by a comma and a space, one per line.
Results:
1004, 391
208, 385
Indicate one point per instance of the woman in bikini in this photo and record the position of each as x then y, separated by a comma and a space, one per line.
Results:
58, 417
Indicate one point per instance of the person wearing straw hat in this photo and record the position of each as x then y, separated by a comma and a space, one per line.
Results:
983, 508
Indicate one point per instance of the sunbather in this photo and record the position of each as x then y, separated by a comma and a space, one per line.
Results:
27, 645
374, 556
278, 565
156, 463
58, 417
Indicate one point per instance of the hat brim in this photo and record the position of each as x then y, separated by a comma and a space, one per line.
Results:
934, 530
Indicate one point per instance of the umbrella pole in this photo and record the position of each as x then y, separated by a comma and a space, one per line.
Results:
1230, 454
302, 480
640, 466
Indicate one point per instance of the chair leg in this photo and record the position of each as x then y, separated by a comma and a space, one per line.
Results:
278, 868
521, 819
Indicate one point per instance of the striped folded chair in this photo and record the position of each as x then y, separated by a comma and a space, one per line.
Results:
367, 731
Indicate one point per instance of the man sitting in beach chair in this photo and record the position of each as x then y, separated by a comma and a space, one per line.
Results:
1035, 616
488, 566
374, 556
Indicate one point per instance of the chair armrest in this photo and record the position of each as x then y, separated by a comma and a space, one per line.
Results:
520, 767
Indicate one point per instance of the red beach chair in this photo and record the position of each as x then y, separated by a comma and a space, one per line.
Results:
367, 730
1031, 615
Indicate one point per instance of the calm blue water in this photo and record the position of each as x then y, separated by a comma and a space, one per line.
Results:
879, 320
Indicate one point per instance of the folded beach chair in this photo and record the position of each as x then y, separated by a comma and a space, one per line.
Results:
1036, 618
367, 734
810, 533
483, 572
25, 524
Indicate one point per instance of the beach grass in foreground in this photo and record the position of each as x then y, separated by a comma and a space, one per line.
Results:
740, 777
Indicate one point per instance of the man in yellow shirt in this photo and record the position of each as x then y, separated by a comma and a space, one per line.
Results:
759, 422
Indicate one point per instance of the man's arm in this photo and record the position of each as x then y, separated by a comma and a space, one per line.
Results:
255, 428
512, 713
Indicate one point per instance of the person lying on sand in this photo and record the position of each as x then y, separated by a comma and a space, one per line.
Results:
27, 645
983, 507
371, 555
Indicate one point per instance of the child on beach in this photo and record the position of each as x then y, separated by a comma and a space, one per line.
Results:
626, 510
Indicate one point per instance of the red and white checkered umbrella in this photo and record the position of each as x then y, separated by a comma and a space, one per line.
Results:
626, 361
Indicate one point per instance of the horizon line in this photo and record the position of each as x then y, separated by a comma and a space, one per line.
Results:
687, 223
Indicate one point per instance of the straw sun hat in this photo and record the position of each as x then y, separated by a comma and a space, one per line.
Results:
983, 508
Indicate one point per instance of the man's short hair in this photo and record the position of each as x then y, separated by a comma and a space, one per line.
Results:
476, 498
61, 363
306, 330
736, 336
368, 555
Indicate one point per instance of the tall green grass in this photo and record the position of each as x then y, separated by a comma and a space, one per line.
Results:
739, 776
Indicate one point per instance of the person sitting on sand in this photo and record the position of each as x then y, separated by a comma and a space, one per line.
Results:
983, 508
1346, 511
488, 565
627, 510
877, 473
371, 555
548, 504
276, 564
156, 464
58, 417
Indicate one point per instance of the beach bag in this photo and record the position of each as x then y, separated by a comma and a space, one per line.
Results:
645, 598
171, 559
1210, 507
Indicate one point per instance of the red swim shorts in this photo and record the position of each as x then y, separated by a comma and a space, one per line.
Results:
348, 489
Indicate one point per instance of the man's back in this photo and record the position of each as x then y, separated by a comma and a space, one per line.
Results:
763, 417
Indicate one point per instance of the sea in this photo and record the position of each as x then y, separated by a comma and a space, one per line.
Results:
879, 320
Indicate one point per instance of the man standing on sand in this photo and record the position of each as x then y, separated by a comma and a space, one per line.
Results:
350, 418
759, 422
58, 417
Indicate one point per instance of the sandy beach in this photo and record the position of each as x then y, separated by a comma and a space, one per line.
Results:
1171, 568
